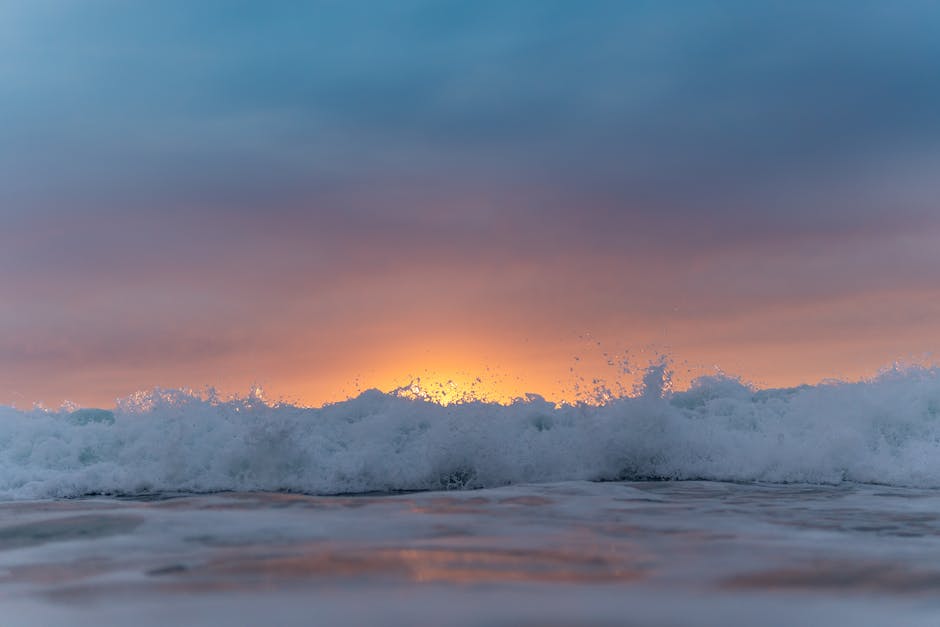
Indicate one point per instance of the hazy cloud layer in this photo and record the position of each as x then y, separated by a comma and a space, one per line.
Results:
207, 172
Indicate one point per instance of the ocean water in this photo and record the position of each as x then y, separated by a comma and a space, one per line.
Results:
719, 505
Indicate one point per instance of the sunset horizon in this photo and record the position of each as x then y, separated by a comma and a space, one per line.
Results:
390, 192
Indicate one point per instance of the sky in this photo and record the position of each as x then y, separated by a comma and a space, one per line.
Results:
322, 197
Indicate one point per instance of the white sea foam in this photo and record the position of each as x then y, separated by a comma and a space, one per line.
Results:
885, 430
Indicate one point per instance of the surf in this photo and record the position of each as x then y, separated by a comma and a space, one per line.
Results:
884, 430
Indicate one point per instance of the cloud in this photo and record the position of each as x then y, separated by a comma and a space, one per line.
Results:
474, 156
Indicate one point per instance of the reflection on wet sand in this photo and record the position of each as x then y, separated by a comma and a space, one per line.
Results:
434, 564
451, 505
51, 574
826, 576
70, 528
612, 540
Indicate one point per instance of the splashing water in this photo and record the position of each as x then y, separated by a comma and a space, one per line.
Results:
884, 430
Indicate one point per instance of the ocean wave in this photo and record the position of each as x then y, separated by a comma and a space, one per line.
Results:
885, 430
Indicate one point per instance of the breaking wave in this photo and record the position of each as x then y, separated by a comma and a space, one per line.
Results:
885, 430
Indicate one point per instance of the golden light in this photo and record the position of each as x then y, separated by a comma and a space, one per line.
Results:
450, 388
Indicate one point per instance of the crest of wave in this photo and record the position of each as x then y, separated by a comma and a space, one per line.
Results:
884, 430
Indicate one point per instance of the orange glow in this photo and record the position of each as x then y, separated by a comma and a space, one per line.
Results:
461, 358
455, 565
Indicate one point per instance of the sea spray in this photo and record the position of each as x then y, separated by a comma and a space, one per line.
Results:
884, 430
